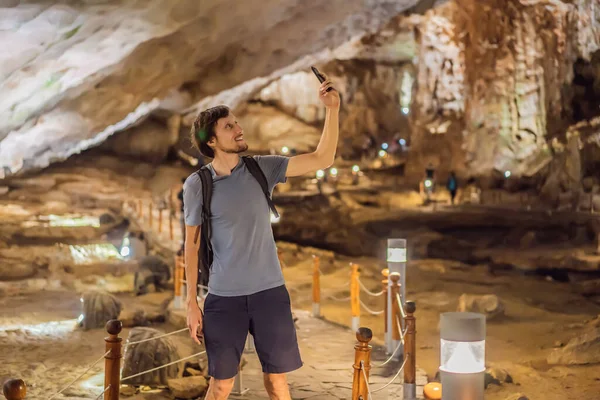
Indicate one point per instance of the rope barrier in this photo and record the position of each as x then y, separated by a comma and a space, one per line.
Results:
80, 376
389, 359
363, 287
162, 366
345, 285
369, 310
400, 331
331, 297
395, 376
362, 368
156, 337
104, 391
400, 306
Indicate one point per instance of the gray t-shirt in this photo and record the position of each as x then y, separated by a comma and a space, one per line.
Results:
244, 252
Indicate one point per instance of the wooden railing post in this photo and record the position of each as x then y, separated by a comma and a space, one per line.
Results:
410, 348
14, 389
386, 273
112, 361
150, 213
362, 360
178, 281
171, 236
160, 220
316, 286
396, 320
355, 296
140, 209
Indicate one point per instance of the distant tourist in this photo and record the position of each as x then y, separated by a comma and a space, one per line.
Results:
232, 231
452, 186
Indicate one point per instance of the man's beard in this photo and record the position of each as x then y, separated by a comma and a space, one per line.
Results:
240, 149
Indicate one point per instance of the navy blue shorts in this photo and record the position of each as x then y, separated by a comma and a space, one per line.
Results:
267, 315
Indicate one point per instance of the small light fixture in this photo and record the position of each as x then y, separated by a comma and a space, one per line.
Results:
462, 355
405, 110
333, 172
320, 174
402, 142
285, 150
382, 153
507, 174
385, 146
428, 183
355, 169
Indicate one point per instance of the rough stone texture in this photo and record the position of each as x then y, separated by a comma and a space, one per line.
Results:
98, 309
190, 387
147, 355
489, 304
584, 349
96, 69
438, 106
496, 72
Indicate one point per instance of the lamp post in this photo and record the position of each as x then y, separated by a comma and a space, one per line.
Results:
462, 355
396, 261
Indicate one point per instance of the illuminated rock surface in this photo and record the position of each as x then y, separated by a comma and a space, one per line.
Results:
76, 73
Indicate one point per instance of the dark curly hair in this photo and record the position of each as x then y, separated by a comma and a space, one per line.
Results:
203, 128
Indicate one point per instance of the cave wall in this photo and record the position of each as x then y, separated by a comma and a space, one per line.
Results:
77, 72
437, 110
498, 74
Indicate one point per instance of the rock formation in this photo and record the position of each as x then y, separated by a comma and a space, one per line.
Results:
98, 309
147, 355
73, 74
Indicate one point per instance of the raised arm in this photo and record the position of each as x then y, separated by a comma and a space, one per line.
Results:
324, 155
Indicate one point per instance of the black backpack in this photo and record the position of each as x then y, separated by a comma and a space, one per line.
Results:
205, 252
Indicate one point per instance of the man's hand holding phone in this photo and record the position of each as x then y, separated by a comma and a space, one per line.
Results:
327, 94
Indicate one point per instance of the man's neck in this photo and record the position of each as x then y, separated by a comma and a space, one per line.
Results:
224, 163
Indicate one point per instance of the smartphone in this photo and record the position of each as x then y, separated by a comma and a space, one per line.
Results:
320, 77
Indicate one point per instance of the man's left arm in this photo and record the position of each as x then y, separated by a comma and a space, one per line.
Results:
324, 155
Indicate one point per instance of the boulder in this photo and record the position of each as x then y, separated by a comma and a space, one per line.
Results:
583, 349
189, 387
497, 376
588, 288
489, 304
98, 309
16, 271
517, 396
133, 318
147, 355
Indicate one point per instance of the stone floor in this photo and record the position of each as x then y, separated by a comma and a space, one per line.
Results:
328, 353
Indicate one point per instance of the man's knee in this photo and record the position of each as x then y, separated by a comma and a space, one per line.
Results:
276, 383
220, 388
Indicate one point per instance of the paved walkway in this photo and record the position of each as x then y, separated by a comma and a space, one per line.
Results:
327, 350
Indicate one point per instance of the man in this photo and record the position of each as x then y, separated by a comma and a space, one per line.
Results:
247, 291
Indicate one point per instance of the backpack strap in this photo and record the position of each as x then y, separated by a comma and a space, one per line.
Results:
206, 179
259, 175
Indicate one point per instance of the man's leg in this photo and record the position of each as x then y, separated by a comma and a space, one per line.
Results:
274, 332
277, 386
219, 389
225, 325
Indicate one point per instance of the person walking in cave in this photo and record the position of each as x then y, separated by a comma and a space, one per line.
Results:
246, 289
452, 186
